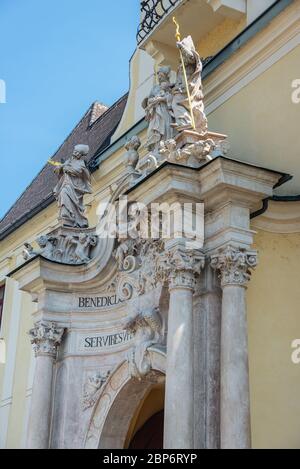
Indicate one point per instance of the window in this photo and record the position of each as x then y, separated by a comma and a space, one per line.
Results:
2, 290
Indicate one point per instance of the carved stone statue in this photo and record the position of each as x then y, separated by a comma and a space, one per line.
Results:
83, 247
158, 107
74, 183
147, 328
132, 155
180, 102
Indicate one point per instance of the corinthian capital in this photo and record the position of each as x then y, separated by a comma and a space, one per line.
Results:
45, 338
235, 265
180, 266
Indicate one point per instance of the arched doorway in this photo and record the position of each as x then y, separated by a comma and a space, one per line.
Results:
147, 427
126, 404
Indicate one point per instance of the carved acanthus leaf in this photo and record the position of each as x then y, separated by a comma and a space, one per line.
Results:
181, 266
45, 338
235, 265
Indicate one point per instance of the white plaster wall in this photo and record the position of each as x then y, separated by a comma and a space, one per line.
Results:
256, 7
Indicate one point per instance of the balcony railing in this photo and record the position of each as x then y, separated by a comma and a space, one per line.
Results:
152, 12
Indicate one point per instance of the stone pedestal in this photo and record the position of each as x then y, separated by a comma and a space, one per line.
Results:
45, 338
190, 137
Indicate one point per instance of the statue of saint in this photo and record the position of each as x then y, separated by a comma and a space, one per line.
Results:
158, 107
74, 182
180, 103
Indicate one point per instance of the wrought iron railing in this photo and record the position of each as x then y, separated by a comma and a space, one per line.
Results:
152, 12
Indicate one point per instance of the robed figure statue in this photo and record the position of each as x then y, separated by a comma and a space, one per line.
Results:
74, 182
186, 110
158, 107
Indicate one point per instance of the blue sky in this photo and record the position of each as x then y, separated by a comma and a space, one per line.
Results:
56, 58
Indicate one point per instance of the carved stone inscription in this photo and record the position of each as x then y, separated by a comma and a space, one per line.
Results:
98, 301
99, 342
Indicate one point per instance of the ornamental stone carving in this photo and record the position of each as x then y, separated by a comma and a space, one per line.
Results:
235, 265
65, 245
147, 327
180, 266
92, 389
45, 338
138, 267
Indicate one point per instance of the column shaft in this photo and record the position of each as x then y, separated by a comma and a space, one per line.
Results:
179, 399
45, 338
235, 400
40, 412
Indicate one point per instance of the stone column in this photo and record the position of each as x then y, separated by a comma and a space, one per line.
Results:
207, 341
181, 267
235, 267
45, 338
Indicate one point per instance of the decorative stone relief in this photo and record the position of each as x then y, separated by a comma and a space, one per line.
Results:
147, 328
145, 264
92, 389
45, 338
195, 154
65, 245
235, 265
138, 267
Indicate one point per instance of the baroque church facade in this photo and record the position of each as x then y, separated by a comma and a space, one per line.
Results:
146, 339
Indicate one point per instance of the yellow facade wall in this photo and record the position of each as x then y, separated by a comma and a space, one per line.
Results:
17, 420
273, 301
263, 123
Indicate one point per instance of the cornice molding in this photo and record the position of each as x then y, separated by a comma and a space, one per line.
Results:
280, 218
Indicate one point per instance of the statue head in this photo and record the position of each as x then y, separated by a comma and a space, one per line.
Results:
163, 74
133, 143
82, 238
80, 151
42, 241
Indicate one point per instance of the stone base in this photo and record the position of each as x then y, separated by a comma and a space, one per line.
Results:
193, 149
66, 245
189, 137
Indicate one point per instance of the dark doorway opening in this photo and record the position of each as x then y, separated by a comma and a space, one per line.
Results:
151, 435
